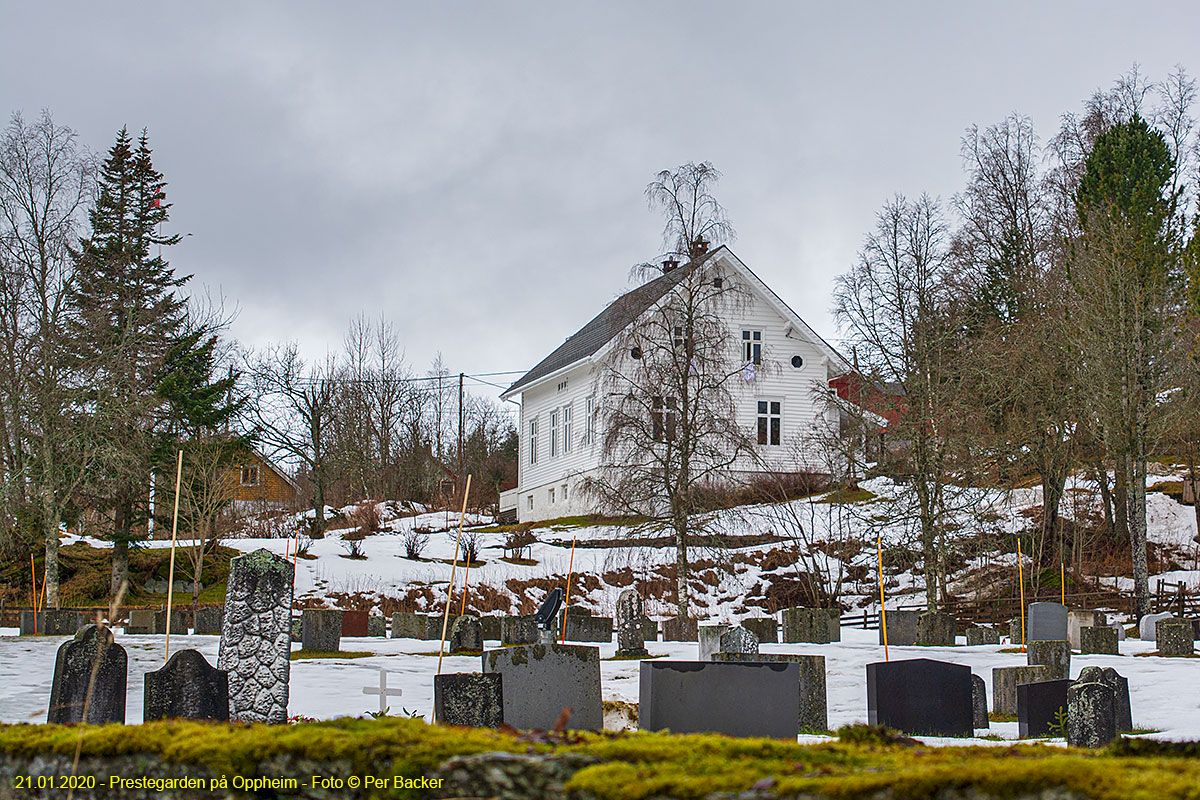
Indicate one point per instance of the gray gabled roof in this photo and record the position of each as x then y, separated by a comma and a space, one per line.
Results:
606, 325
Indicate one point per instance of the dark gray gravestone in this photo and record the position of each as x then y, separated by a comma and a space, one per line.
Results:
93, 650
540, 680
520, 629
631, 636
1120, 686
738, 640
979, 702
256, 637
179, 626
1005, 681
466, 636
936, 628
490, 624
812, 716
377, 626
920, 696
1174, 637
208, 620
649, 629
1091, 714
1046, 622
977, 635
747, 698
679, 629
1078, 619
901, 628
51, 623
709, 636
141, 622
32, 623
1042, 708
812, 625
582, 628
765, 628
1055, 655
188, 687
406, 625
321, 630
470, 699
1101, 641
434, 623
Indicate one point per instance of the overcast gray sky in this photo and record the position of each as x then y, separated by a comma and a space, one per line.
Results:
475, 171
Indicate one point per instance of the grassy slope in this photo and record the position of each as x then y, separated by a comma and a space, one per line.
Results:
643, 765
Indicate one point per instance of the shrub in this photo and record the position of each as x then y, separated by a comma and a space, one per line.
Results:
415, 542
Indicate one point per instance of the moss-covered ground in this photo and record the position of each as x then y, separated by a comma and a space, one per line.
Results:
644, 765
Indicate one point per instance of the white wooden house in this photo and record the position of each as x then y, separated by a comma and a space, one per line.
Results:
559, 442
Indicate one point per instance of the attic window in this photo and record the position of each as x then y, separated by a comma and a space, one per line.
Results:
718, 283
635, 353
797, 362
250, 476
562, 385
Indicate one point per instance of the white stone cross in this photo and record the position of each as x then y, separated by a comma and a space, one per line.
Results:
383, 691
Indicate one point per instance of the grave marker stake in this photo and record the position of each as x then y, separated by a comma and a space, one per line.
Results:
882, 610
450, 588
1021, 580
171, 569
567, 599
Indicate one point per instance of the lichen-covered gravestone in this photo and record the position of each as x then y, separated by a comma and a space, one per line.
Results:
466, 636
406, 625
812, 625
1078, 620
936, 628
765, 628
680, 629
321, 630
93, 650
377, 626
738, 640
208, 620
709, 636
256, 637
1174, 637
1120, 686
1091, 714
179, 626
188, 687
471, 699
540, 680
978, 634
979, 701
1054, 654
630, 633
141, 621
519, 629
1098, 640
902, 628
1004, 685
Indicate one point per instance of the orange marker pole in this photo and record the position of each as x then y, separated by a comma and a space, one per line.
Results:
1021, 579
296, 549
466, 580
882, 610
1062, 572
567, 599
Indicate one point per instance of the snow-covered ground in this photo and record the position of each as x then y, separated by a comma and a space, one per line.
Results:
1159, 687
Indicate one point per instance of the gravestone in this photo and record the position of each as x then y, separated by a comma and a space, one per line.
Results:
383, 692
1041, 708
979, 635
296, 630
490, 624
377, 626
179, 626
1046, 622
1078, 619
1004, 685
92, 649
1014, 631
466, 636
188, 687
1054, 654
434, 624
354, 623
631, 640
649, 629
520, 629
1091, 714
1174, 637
936, 628
141, 622
1147, 626
32, 623
901, 628
321, 630
255, 636
920, 696
407, 625
586, 628
811, 625
1119, 628
680, 629
812, 715
1098, 640
1123, 716
734, 698
540, 680
208, 620
738, 640
51, 623
709, 635
765, 628
469, 699
979, 712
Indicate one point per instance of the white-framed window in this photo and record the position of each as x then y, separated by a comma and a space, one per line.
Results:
250, 475
551, 495
554, 433
529, 502
566, 432
770, 422
564, 492
752, 347
589, 422
678, 338
533, 441
663, 414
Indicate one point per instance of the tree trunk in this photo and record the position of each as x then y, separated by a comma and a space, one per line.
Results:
1106, 498
1120, 501
1136, 517
51, 579
120, 553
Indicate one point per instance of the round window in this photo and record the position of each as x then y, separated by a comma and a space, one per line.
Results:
797, 362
